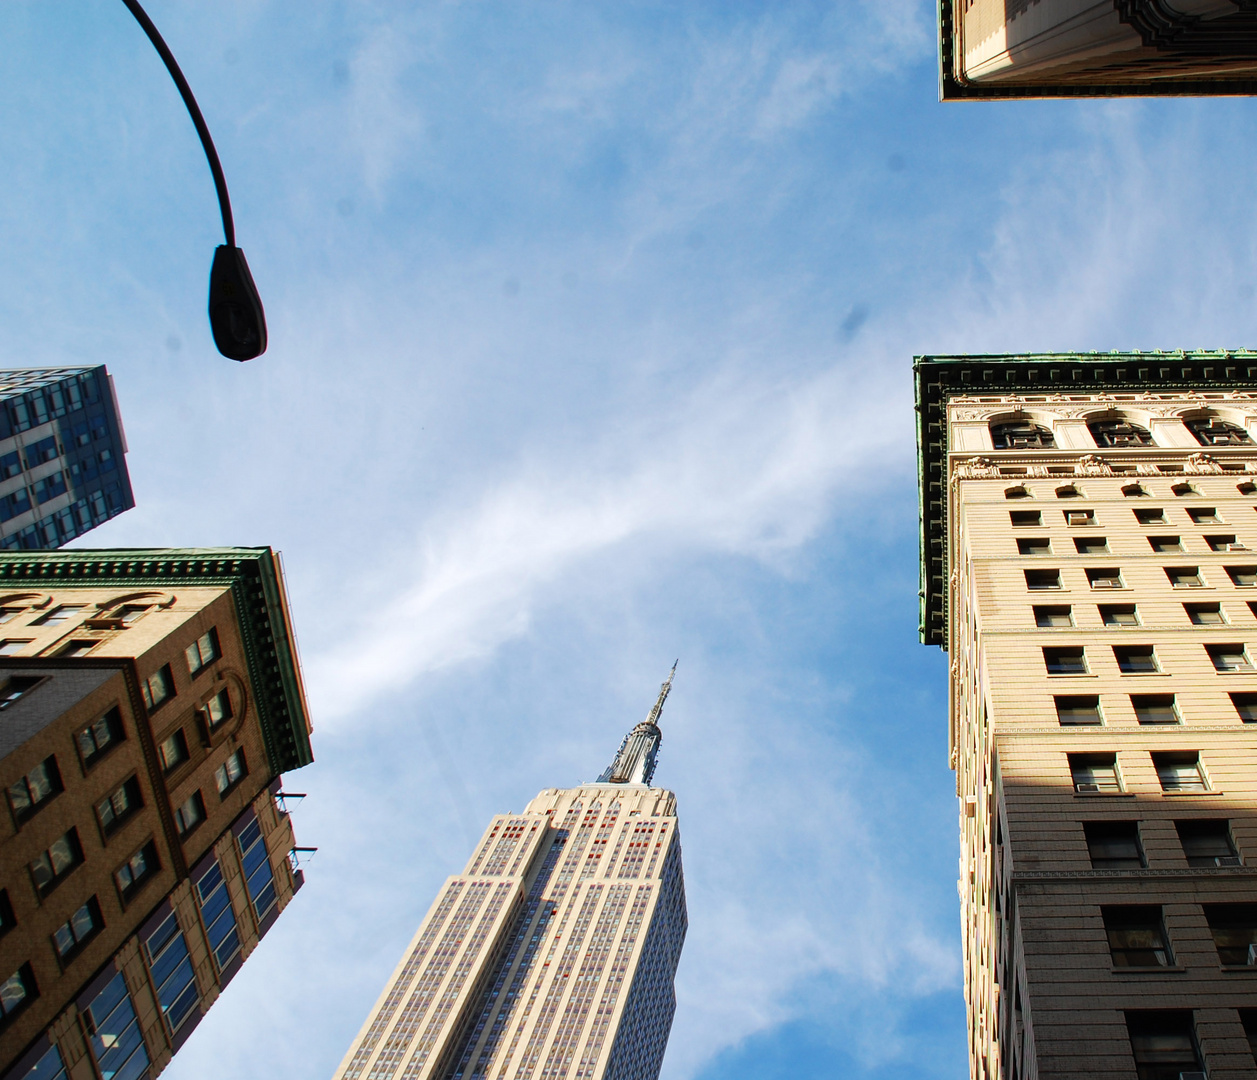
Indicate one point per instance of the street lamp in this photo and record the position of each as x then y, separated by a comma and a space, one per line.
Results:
235, 309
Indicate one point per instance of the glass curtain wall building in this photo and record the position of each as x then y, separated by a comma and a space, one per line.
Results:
62, 455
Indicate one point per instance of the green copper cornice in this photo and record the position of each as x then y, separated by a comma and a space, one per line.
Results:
253, 577
939, 378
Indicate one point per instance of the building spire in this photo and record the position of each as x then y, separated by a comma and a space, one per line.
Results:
635, 763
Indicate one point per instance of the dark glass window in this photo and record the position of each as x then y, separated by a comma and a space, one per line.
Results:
171, 968
39, 452
1135, 659
1211, 431
1204, 515
172, 751
1025, 518
1205, 614
202, 651
1119, 432
1091, 545
1082, 709
1034, 545
1155, 708
1163, 1044
1043, 579
119, 806
158, 687
100, 736
218, 916
257, 868
32, 791
1055, 615
16, 686
52, 866
1150, 516
1165, 543
70, 937
1021, 436
231, 772
190, 814
1114, 845
1104, 577
137, 870
218, 709
1136, 935
1065, 661
1119, 615
16, 992
1229, 657
1246, 706
1180, 772
1095, 773
1224, 542
1207, 842
1234, 928
1184, 577
1242, 575
115, 1038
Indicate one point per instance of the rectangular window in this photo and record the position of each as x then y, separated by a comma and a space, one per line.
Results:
33, 790
101, 735
1104, 577
1246, 707
115, 1038
218, 710
17, 686
1205, 614
53, 865
1022, 519
1114, 845
1078, 517
1034, 545
130, 614
1043, 579
70, 937
1229, 657
1243, 576
1207, 843
1204, 515
1224, 543
119, 806
1091, 545
173, 751
1155, 708
1136, 935
77, 647
158, 687
1234, 928
1119, 615
133, 873
1078, 709
190, 814
218, 915
1180, 772
60, 614
7, 919
13, 646
258, 877
16, 992
1184, 577
230, 772
1095, 773
1148, 515
202, 651
171, 968
1136, 659
1065, 661
1163, 1044
1165, 543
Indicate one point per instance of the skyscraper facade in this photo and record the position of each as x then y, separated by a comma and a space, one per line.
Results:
1089, 563
62, 455
149, 703
1072, 48
552, 956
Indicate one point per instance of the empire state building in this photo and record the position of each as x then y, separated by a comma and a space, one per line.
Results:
552, 955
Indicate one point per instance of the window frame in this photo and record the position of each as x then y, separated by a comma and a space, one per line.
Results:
162, 677
112, 719
207, 650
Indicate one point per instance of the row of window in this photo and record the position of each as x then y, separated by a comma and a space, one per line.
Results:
1200, 515
38, 406
1099, 545
1141, 659
1137, 936
1110, 577
1062, 615
1117, 845
1117, 432
1132, 490
1084, 709
1099, 774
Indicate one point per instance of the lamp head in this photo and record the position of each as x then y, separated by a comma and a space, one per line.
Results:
235, 309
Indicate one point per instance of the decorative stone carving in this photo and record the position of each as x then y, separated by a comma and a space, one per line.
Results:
970, 414
1090, 465
978, 468
1145, 468
1202, 465
1037, 470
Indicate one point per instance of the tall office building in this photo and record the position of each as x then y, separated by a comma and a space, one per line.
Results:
1089, 563
552, 956
62, 455
1080, 48
149, 701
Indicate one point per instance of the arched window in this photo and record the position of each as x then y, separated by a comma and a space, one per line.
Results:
1134, 490
1211, 431
1118, 432
1017, 491
1021, 435
1183, 489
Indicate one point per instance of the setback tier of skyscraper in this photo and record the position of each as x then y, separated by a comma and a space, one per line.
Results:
1089, 563
62, 455
552, 956
149, 701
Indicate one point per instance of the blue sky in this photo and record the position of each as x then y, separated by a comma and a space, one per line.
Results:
591, 330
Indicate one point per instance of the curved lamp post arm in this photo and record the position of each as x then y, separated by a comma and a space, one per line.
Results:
235, 309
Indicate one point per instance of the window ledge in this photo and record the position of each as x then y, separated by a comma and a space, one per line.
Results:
1144, 674
1157, 970
1072, 675
1104, 794
1189, 794
1235, 968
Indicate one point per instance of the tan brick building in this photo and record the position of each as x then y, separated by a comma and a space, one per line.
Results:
149, 701
1089, 563
552, 954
